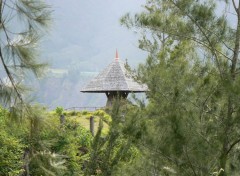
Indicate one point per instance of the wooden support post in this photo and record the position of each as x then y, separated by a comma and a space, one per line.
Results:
62, 119
92, 125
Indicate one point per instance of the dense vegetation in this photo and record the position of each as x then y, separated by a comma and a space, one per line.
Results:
42, 145
192, 72
190, 125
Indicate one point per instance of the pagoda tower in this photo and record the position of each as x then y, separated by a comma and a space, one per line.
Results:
114, 81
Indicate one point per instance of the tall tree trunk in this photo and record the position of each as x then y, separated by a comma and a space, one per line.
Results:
225, 147
236, 47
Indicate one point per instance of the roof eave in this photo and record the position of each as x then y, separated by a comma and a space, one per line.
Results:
103, 91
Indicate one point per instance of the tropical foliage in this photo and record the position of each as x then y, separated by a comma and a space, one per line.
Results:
45, 148
192, 74
190, 125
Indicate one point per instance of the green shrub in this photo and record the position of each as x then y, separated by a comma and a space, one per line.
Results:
102, 114
11, 148
12, 145
99, 113
59, 110
85, 112
107, 118
78, 113
88, 116
74, 142
73, 113
11, 152
47, 163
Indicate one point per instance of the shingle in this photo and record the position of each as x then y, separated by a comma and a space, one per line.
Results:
114, 77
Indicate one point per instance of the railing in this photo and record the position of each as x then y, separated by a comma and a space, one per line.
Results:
83, 108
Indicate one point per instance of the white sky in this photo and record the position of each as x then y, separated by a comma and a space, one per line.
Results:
90, 30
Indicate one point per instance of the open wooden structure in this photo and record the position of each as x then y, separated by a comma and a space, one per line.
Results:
114, 81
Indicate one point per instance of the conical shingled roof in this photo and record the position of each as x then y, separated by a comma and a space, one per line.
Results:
114, 78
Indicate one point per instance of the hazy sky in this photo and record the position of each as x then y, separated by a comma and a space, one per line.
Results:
84, 37
86, 33
89, 30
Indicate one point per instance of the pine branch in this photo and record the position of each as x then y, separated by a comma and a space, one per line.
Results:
10, 76
206, 37
232, 145
234, 5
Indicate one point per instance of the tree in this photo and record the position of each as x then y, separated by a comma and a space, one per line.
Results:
192, 72
11, 148
22, 23
109, 152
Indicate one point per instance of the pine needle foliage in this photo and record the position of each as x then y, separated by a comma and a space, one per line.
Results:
109, 152
22, 24
192, 72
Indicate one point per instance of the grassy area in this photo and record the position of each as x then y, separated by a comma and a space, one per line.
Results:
85, 122
83, 118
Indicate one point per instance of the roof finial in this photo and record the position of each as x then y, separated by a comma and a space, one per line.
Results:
116, 55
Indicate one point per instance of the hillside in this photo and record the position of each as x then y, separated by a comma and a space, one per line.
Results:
63, 89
